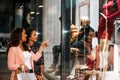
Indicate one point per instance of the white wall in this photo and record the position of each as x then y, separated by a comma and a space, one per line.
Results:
51, 23
94, 13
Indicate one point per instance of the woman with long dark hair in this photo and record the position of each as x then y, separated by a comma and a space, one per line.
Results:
19, 55
34, 46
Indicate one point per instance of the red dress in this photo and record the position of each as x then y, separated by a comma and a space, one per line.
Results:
118, 1
111, 14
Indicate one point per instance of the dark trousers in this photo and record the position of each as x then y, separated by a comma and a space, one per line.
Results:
56, 53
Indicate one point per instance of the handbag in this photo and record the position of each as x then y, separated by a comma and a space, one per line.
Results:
26, 76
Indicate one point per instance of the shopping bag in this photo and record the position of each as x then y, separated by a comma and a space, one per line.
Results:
26, 76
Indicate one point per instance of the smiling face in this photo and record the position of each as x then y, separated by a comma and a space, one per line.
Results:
33, 36
90, 36
23, 36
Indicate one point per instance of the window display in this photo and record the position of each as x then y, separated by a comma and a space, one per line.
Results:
83, 36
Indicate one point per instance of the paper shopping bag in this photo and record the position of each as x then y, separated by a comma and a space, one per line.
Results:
26, 76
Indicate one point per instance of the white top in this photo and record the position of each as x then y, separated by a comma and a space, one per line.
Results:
27, 55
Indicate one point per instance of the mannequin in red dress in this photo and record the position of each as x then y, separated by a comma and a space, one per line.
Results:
111, 10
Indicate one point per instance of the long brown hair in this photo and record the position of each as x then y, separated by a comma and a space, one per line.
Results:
29, 31
15, 37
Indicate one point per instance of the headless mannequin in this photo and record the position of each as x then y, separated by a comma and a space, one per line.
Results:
111, 10
106, 24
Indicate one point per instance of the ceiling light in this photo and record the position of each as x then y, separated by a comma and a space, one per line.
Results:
32, 12
40, 6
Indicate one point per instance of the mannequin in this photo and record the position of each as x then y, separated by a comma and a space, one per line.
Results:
111, 10
107, 19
